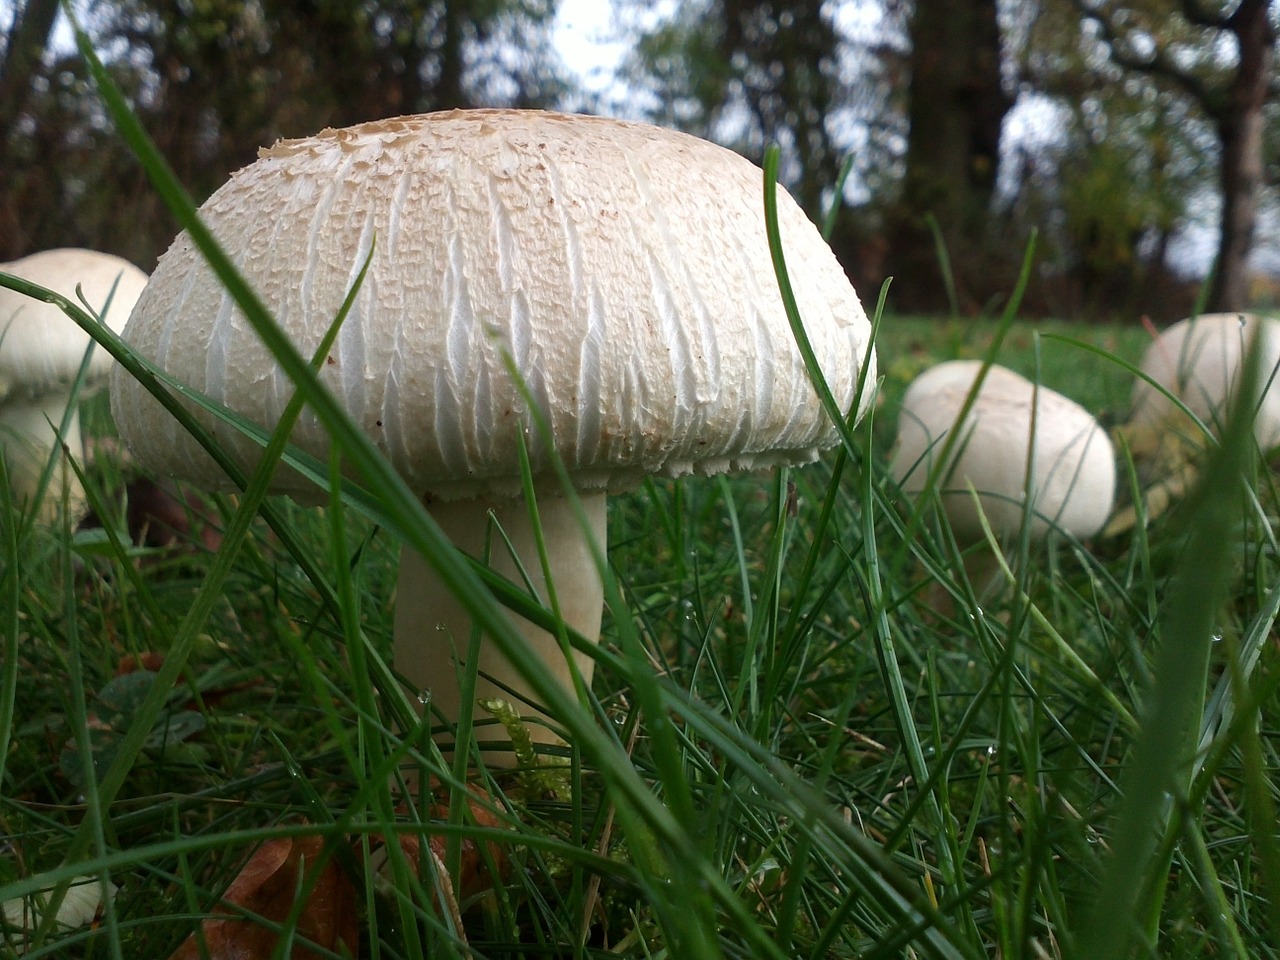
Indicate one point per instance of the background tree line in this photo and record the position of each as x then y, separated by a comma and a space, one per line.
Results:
1157, 119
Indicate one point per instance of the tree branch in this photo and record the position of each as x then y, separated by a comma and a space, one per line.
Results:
1200, 16
1158, 64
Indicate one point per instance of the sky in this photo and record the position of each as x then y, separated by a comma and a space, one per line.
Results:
583, 35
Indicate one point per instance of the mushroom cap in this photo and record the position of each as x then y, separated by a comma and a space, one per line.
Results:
1198, 361
1072, 460
40, 346
623, 268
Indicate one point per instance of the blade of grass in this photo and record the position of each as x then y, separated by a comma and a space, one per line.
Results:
10, 594
944, 262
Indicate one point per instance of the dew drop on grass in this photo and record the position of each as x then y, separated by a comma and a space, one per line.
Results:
687, 606
424, 698
992, 750
1216, 638
441, 627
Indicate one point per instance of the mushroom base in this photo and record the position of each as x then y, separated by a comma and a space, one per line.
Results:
28, 434
433, 630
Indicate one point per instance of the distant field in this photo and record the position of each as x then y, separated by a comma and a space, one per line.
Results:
908, 345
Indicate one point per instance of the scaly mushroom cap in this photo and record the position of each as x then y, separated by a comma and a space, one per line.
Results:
1199, 361
40, 347
624, 269
1072, 462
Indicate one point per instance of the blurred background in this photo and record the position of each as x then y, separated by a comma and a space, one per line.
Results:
1135, 138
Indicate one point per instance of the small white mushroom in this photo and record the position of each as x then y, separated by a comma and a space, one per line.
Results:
83, 902
1011, 425
1199, 361
622, 271
41, 350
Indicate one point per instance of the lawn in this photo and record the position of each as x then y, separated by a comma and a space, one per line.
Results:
810, 738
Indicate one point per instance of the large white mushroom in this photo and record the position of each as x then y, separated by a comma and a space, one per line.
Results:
622, 269
41, 350
1199, 361
1013, 424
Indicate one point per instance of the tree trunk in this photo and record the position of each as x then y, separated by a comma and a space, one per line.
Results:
28, 40
956, 110
1241, 130
22, 62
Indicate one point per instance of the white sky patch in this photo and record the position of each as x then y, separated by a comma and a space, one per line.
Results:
588, 43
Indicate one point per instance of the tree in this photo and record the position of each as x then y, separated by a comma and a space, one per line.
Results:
21, 62
24, 51
748, 72
956, 107
1186, 51
1114, 179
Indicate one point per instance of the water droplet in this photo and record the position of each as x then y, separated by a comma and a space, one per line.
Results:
1091, 835
992, 750
424, 697
1216, 638
441, 627
687, 606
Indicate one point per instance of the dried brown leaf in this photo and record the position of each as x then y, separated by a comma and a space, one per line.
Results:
475, 876
267, 886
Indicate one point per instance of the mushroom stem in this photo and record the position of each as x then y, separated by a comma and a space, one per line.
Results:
433, 630
28, 434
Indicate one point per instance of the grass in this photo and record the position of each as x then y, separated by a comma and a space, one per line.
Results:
867, 775
807, 737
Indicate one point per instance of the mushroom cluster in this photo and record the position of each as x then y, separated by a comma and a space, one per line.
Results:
614, 275
41, 351
1017, 440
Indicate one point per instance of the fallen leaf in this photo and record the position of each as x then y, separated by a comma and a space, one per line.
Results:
266, 886
150, 661
474, 876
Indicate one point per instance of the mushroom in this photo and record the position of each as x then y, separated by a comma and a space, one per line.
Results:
41, 350
1198, 361
615, 274
1012, 423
